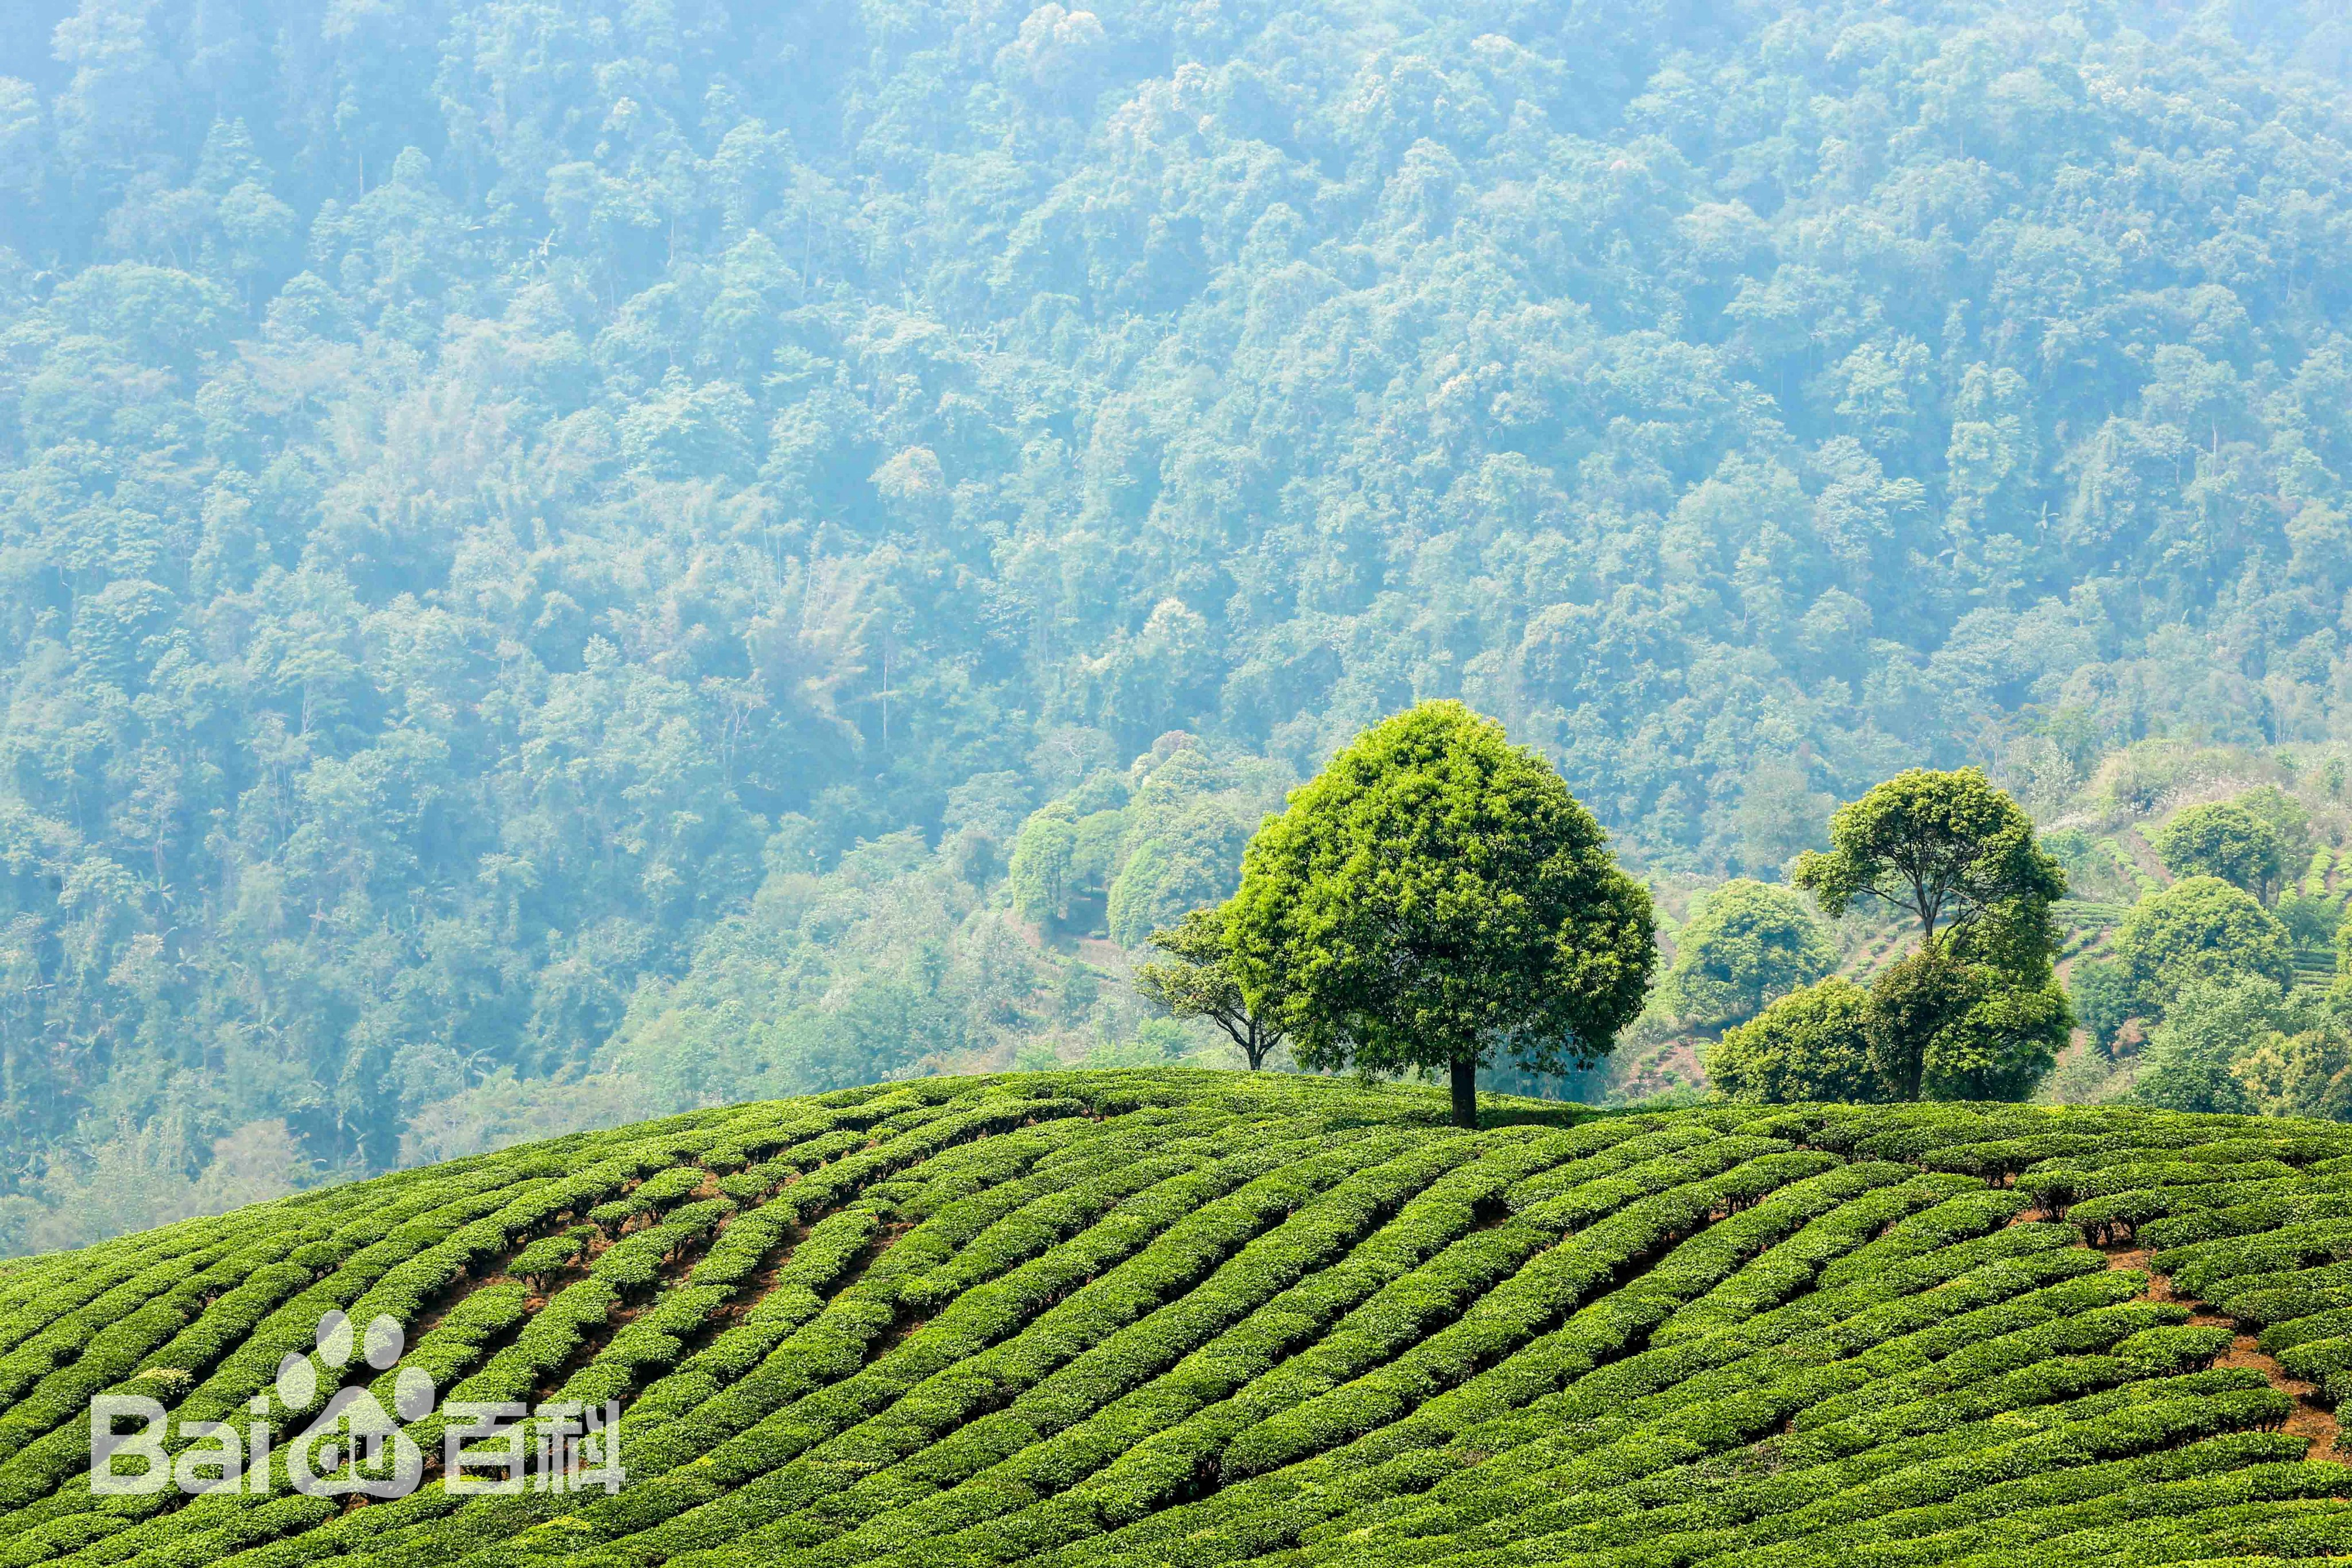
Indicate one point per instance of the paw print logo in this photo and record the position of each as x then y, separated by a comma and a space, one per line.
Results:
355, 1445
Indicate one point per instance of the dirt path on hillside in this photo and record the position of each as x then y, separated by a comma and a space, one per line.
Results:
2309, 1420
2143, 853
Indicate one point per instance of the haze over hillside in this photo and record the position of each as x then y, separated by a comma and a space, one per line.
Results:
547, 551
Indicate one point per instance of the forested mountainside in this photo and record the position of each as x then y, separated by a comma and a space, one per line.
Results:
499, 502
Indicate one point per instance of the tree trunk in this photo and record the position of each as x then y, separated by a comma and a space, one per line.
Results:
1465, 1095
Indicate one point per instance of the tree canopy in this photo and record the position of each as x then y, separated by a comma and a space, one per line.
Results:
1746, 944
1435, 898
1813, 1044
1943, 1028
2225, 840
1947, 849
2213, 1020
2201, 928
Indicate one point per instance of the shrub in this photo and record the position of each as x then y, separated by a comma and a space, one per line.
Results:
1811, 1044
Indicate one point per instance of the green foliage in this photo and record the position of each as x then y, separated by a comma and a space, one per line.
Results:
891, 958
2103, 999
1974, 1012
1197, 980
2306, 1074
1436, 898
1746, 945
1134, 852
2284, 815
1812, 1044
2199, 929
2077, 854
2208, 1022
1941, 1030
1930, 1027
1182, 847
2224, 840
1044, 862
2311, 920
1183, 1318
1951, 851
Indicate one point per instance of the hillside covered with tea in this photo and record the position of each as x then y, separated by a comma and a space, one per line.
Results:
1186, 1318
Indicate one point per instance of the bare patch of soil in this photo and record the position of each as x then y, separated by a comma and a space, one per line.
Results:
2310, 1420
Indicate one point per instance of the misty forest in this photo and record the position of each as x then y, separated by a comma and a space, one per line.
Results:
568, 560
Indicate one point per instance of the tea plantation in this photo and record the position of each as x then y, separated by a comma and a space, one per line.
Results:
1124, 1319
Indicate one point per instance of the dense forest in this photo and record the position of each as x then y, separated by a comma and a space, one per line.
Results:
553, 555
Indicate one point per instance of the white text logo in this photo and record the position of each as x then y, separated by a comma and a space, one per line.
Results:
354, 1445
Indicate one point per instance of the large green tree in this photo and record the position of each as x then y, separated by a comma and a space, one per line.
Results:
1436, 899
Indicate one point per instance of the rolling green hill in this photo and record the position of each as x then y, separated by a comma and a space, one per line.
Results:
1134, 1318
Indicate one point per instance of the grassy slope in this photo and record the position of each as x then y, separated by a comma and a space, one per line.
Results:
1144, 1318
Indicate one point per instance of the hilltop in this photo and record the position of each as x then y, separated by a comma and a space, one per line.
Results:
1131, 1318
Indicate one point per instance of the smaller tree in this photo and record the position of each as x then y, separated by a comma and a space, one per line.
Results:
2312, 919
2306, 1074
1944, 1030
1042, 865
1931, 1028
1812, 1044
1947, 849
1197, 981
2199, 929
1746, 945
2286, 817
2225, 840
1912, 1005
2103, 999
1994, 1043
1974, 1013
1191, 858
2190, 1063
